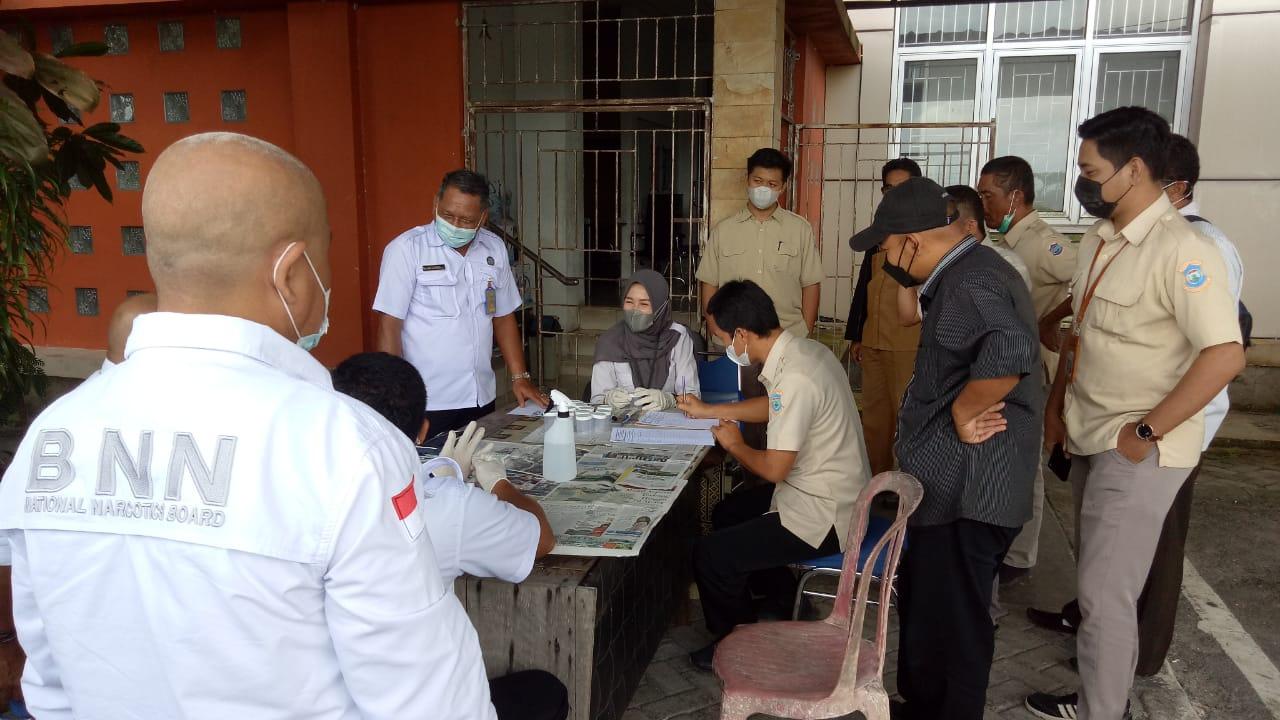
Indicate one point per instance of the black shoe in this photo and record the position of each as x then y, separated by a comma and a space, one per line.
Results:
703, 658
1054, 621
1053, 707
1010, 574
1059, 707
897, 710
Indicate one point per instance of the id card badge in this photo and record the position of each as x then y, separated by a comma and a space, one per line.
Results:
490, 299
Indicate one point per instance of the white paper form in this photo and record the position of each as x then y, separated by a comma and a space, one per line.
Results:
661, 436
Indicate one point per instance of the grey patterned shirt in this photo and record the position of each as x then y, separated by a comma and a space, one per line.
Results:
978, 323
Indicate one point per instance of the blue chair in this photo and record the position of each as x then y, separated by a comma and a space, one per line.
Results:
830, 565
718, 379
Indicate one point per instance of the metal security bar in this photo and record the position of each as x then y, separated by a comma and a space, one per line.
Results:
558, 49
596, 191
837, 186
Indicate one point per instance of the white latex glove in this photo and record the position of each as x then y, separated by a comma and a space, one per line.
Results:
651, 400
618, 398
489, 471
462, 449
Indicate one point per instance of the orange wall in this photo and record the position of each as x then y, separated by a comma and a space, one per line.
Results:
259, 67
811, 108
369, 97
410, 82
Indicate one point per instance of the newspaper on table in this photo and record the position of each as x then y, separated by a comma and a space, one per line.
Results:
620, 493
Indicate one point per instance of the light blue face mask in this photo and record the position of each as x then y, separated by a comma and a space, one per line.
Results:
454, 236
306, 342
739, 360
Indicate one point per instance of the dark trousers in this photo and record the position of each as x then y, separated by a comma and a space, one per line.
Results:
946, 638
748, 546
442, 421
1158, 603
529, 695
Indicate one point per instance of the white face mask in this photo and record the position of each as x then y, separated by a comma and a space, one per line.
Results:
762, 196
306, 342
739, 360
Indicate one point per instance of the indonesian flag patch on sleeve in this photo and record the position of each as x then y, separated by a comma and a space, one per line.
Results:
405, 504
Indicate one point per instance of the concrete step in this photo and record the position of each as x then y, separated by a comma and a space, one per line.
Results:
1258, 387
1255, 431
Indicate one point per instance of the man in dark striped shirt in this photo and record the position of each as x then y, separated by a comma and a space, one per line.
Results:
969, 429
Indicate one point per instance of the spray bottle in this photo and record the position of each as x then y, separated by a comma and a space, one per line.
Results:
559, 458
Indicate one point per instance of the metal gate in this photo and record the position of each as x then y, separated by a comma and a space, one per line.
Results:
837, 186
590, 120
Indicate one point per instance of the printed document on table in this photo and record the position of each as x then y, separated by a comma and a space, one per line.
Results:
530, 408
665, 418
661, 436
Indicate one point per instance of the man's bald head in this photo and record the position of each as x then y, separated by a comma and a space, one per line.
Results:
218, 207
122, 323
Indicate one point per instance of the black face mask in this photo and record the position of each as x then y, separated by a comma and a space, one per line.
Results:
1089, 193
899, 274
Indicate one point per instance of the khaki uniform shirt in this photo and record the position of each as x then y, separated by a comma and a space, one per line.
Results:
811, 413
884, 329
1163, 300
1051, 260
779, 255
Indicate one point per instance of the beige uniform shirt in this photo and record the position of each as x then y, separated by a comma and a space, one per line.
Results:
1163, 300
1051, 260
1049, 256
811, 413
779, 255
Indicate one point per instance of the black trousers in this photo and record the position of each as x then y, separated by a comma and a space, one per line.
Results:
946, 638
442, 421
529, 695
747, 547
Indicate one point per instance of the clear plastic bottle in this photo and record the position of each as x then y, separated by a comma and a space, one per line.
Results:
559, 458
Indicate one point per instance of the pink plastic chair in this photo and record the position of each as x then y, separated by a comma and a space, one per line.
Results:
822, 669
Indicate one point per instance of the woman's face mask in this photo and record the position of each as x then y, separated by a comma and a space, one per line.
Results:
637, 320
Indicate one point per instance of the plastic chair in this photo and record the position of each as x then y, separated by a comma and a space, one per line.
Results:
829, 566
822, 669
718, 380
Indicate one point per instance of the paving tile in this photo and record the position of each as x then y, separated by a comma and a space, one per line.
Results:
673, 705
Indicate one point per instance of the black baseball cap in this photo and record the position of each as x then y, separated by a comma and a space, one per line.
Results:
916, 205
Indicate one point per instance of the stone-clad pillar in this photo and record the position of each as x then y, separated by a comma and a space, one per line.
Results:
746, 94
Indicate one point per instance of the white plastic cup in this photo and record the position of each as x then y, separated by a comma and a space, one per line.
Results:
582, 427
601, 424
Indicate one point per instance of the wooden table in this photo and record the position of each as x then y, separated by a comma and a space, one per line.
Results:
593, 622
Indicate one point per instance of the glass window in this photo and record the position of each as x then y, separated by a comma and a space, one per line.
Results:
943, 24
937, 91
1033, 120
1148, 79
1143, 17
1040, 20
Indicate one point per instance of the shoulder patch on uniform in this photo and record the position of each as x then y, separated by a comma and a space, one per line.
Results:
1055, 249
1194, 278
775, 401
405, 503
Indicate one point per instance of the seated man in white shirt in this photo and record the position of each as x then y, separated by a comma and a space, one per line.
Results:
489, 531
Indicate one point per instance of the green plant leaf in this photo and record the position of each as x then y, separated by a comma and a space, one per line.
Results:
120, 142
70, 85
83, 49
101, 129
22, 133
14, 59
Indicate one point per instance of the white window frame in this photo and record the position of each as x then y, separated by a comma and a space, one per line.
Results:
1086, 50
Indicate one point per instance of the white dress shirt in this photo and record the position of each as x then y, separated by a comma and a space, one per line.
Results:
682, 377
1216, 411
474, 532
209, 530
439, 293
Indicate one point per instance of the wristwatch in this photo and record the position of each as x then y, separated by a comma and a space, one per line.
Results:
1146, 432
521, 376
